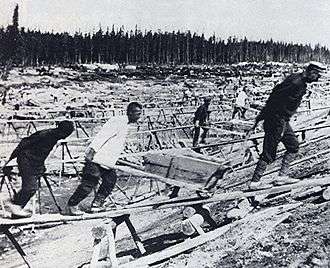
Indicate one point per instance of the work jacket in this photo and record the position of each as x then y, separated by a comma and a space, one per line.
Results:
285, 98
109, 142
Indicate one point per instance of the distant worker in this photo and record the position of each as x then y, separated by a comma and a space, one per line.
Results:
241, 103
4, 94
31, 154
187, 91
100, 158
201, 120
280, 106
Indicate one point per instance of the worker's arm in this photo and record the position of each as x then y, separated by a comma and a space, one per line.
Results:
89, 154
259, 118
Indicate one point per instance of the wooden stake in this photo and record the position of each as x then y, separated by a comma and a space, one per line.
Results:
112, 249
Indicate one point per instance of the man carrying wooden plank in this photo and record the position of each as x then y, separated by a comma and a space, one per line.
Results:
100, 158
201, 119
31, 154
280, 106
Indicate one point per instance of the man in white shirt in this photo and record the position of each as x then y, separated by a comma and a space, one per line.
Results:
240, 104
100, 158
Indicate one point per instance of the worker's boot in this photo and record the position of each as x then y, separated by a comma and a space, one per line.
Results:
17, 212
99, 204
255, 183
73, 211
174, 192
283, 177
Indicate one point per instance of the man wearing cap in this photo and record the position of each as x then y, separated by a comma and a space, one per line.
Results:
201, 119
280, 106
31, 154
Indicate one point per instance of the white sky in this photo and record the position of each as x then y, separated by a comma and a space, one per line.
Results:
302, 21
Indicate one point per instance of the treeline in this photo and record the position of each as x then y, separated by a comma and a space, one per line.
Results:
30, 47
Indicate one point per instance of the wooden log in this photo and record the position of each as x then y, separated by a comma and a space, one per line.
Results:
274, 199
244, 203
241, 210
188, 212
306, 193
236, 213
192, 224
260, 198
326, 194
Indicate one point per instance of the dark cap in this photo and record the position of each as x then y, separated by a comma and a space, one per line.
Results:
316, 66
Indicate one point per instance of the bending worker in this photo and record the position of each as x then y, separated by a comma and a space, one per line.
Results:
280, 106
100, 158
31, 154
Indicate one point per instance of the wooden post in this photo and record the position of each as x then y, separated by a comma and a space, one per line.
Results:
4, 212
135, 237
104, 245
19, 249
63, 157
112, 249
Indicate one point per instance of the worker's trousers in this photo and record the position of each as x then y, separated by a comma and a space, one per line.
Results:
30, 173
277, 130
92, 174
197, 131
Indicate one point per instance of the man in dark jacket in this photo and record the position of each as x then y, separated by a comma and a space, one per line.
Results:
280, 106
201, 119
31, 154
